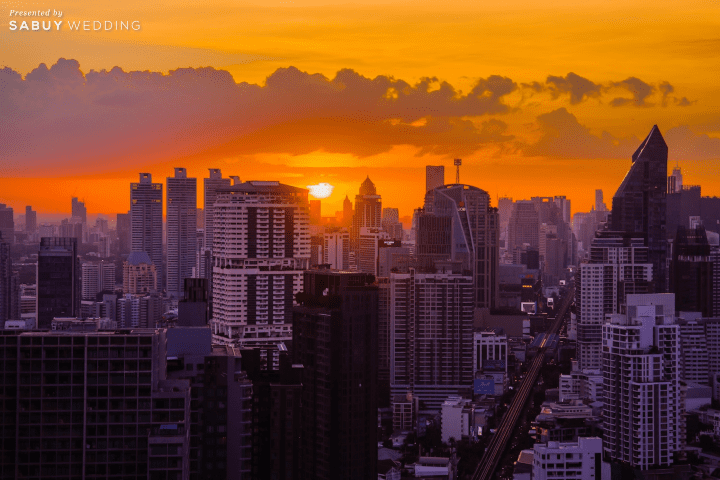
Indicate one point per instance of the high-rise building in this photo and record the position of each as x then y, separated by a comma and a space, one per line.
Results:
96, 278
211, 186
78, 210
347, 212
334, 338
475, 236
123, 227
146, 217
715, 259
139, 274
58, 280
30, 220
7, 224
505, 207
9, 287
262, 246
599, 203
181, 230
691, 272
336, 250
434, 177
523, 227
641, 371
639, 205
368, 210
391, 223
431, 335
315, 212
675, 181
433, 240
139, 311
618, 266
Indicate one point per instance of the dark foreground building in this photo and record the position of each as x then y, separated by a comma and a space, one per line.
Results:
335, 339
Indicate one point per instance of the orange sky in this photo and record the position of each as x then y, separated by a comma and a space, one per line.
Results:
501, 96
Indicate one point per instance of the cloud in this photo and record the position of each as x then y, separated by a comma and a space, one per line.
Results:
562, 136
578, 87
666, 89
683, 102
684, 144
639, 90
59, 115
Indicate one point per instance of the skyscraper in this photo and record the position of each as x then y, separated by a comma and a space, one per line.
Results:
431, 338
7, 224
211, 185
262, 246
78, 210
675, 181
641, 372
139, 274
523, 227
30, 220
9, 287
335, 339
639, 205
618, 266
599, 203
336, 250
123, 227
347, 212
475, 235
691, 272
368, 211
181, 230
58, 280
146, 220
434, 177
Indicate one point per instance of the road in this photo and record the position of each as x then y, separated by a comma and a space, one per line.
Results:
491, 457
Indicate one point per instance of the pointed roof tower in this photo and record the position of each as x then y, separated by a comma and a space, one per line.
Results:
368, 187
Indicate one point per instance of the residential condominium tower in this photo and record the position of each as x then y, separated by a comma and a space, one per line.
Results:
58, 280
181, 230
261, 247
146, 220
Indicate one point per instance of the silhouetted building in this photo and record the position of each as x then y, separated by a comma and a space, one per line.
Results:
474, 238
523, 227
347, 212
193, 308
433, 240
78, 210
58, 280
639, 205
9, 287
368, 211
181, 230
335, 339
7, 224
691, 272
30, 220
124, 233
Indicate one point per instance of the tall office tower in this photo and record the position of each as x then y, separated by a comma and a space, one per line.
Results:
123, 229
368, 210
433, 240
675, 181
315, 212
563, 204
505, 207
369, 250
30, 220
599, 203
261, 247
139, 274
391, 223
431, 338
523, 226
641, 372
336, 250
691, 272
181, 230
715, 259
96, 278
618, 266
78, 210
211, 185
58, 280
475, 236
9, 287
639, 204
347, 212
7, 224
434, 177
383, 339
146, 217
335, 339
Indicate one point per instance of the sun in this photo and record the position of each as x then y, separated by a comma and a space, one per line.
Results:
321, 190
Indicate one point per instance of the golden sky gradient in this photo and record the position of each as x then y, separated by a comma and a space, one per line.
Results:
534, 129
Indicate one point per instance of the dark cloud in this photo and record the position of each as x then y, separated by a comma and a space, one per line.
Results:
639, 90
666, 89
683, 102
562, 136
578, 87
58, 114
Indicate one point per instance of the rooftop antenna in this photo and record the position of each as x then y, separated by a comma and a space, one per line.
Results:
458, 162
